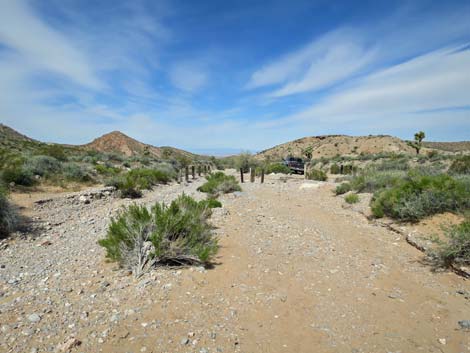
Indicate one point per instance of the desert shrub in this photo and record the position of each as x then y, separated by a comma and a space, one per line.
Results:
42, 165
211, 203
351, 198
176, 234
278, 168
145, 179
371, 180
76, 172
418, 196
343, 188
245, 161
456, 248
128, 188
55, 151
460, 166
335, 169
349, 169
316, 174
393, 164
219, 183
105, 170
8, 215
18, 175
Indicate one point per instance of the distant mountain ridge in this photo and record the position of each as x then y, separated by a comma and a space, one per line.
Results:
114, 141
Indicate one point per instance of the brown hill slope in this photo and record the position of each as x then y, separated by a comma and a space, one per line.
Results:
118, 142
449, 146
11, 135
333, 145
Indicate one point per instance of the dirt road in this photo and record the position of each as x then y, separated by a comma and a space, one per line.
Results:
297, 272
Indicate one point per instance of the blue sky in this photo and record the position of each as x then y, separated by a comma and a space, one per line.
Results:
230, 75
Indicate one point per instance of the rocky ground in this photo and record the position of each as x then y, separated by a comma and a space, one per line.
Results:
298, 271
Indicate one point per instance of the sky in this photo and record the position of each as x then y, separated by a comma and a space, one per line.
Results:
219, 76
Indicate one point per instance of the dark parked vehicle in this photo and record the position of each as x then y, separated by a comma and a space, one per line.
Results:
295, 164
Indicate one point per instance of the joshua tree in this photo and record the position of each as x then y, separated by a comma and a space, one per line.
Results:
417, 143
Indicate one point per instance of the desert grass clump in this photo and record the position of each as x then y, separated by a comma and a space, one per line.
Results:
371, 180
175, 234
351, 198
219, 183
343, 188
418, 196
316, 174
455, 249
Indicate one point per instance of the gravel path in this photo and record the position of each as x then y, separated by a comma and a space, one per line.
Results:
298, 271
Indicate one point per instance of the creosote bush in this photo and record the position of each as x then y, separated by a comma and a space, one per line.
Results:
316, 174
418, 196
178, 234
455, 250
218, 183
277, 168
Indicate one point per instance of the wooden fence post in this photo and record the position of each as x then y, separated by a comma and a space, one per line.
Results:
180, 176
186, 173
199, 170
305, 170
193, 171
252, 175
241, 175
262, 175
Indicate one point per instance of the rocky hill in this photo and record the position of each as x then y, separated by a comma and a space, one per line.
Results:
333, 145
7, 134
120, 143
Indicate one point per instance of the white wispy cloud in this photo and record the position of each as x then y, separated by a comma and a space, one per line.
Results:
42, 48
346, 53
188, 76
437, 80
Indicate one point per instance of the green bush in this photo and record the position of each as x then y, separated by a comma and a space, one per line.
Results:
42, 165
128, 188
418, 196
145, 179
456, 248
335, 169
371, 180
19, 176
277, 168
55, 151
8, 215
343, 188
176, 234
460, 166
219, 183
75, 172
316, 174
211, 203
393, 164
351, 198
245, 161
105, 170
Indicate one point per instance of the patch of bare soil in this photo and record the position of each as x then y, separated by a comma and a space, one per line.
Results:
298, 271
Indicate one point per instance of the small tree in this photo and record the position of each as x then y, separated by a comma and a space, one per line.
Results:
308, 152
417, 143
